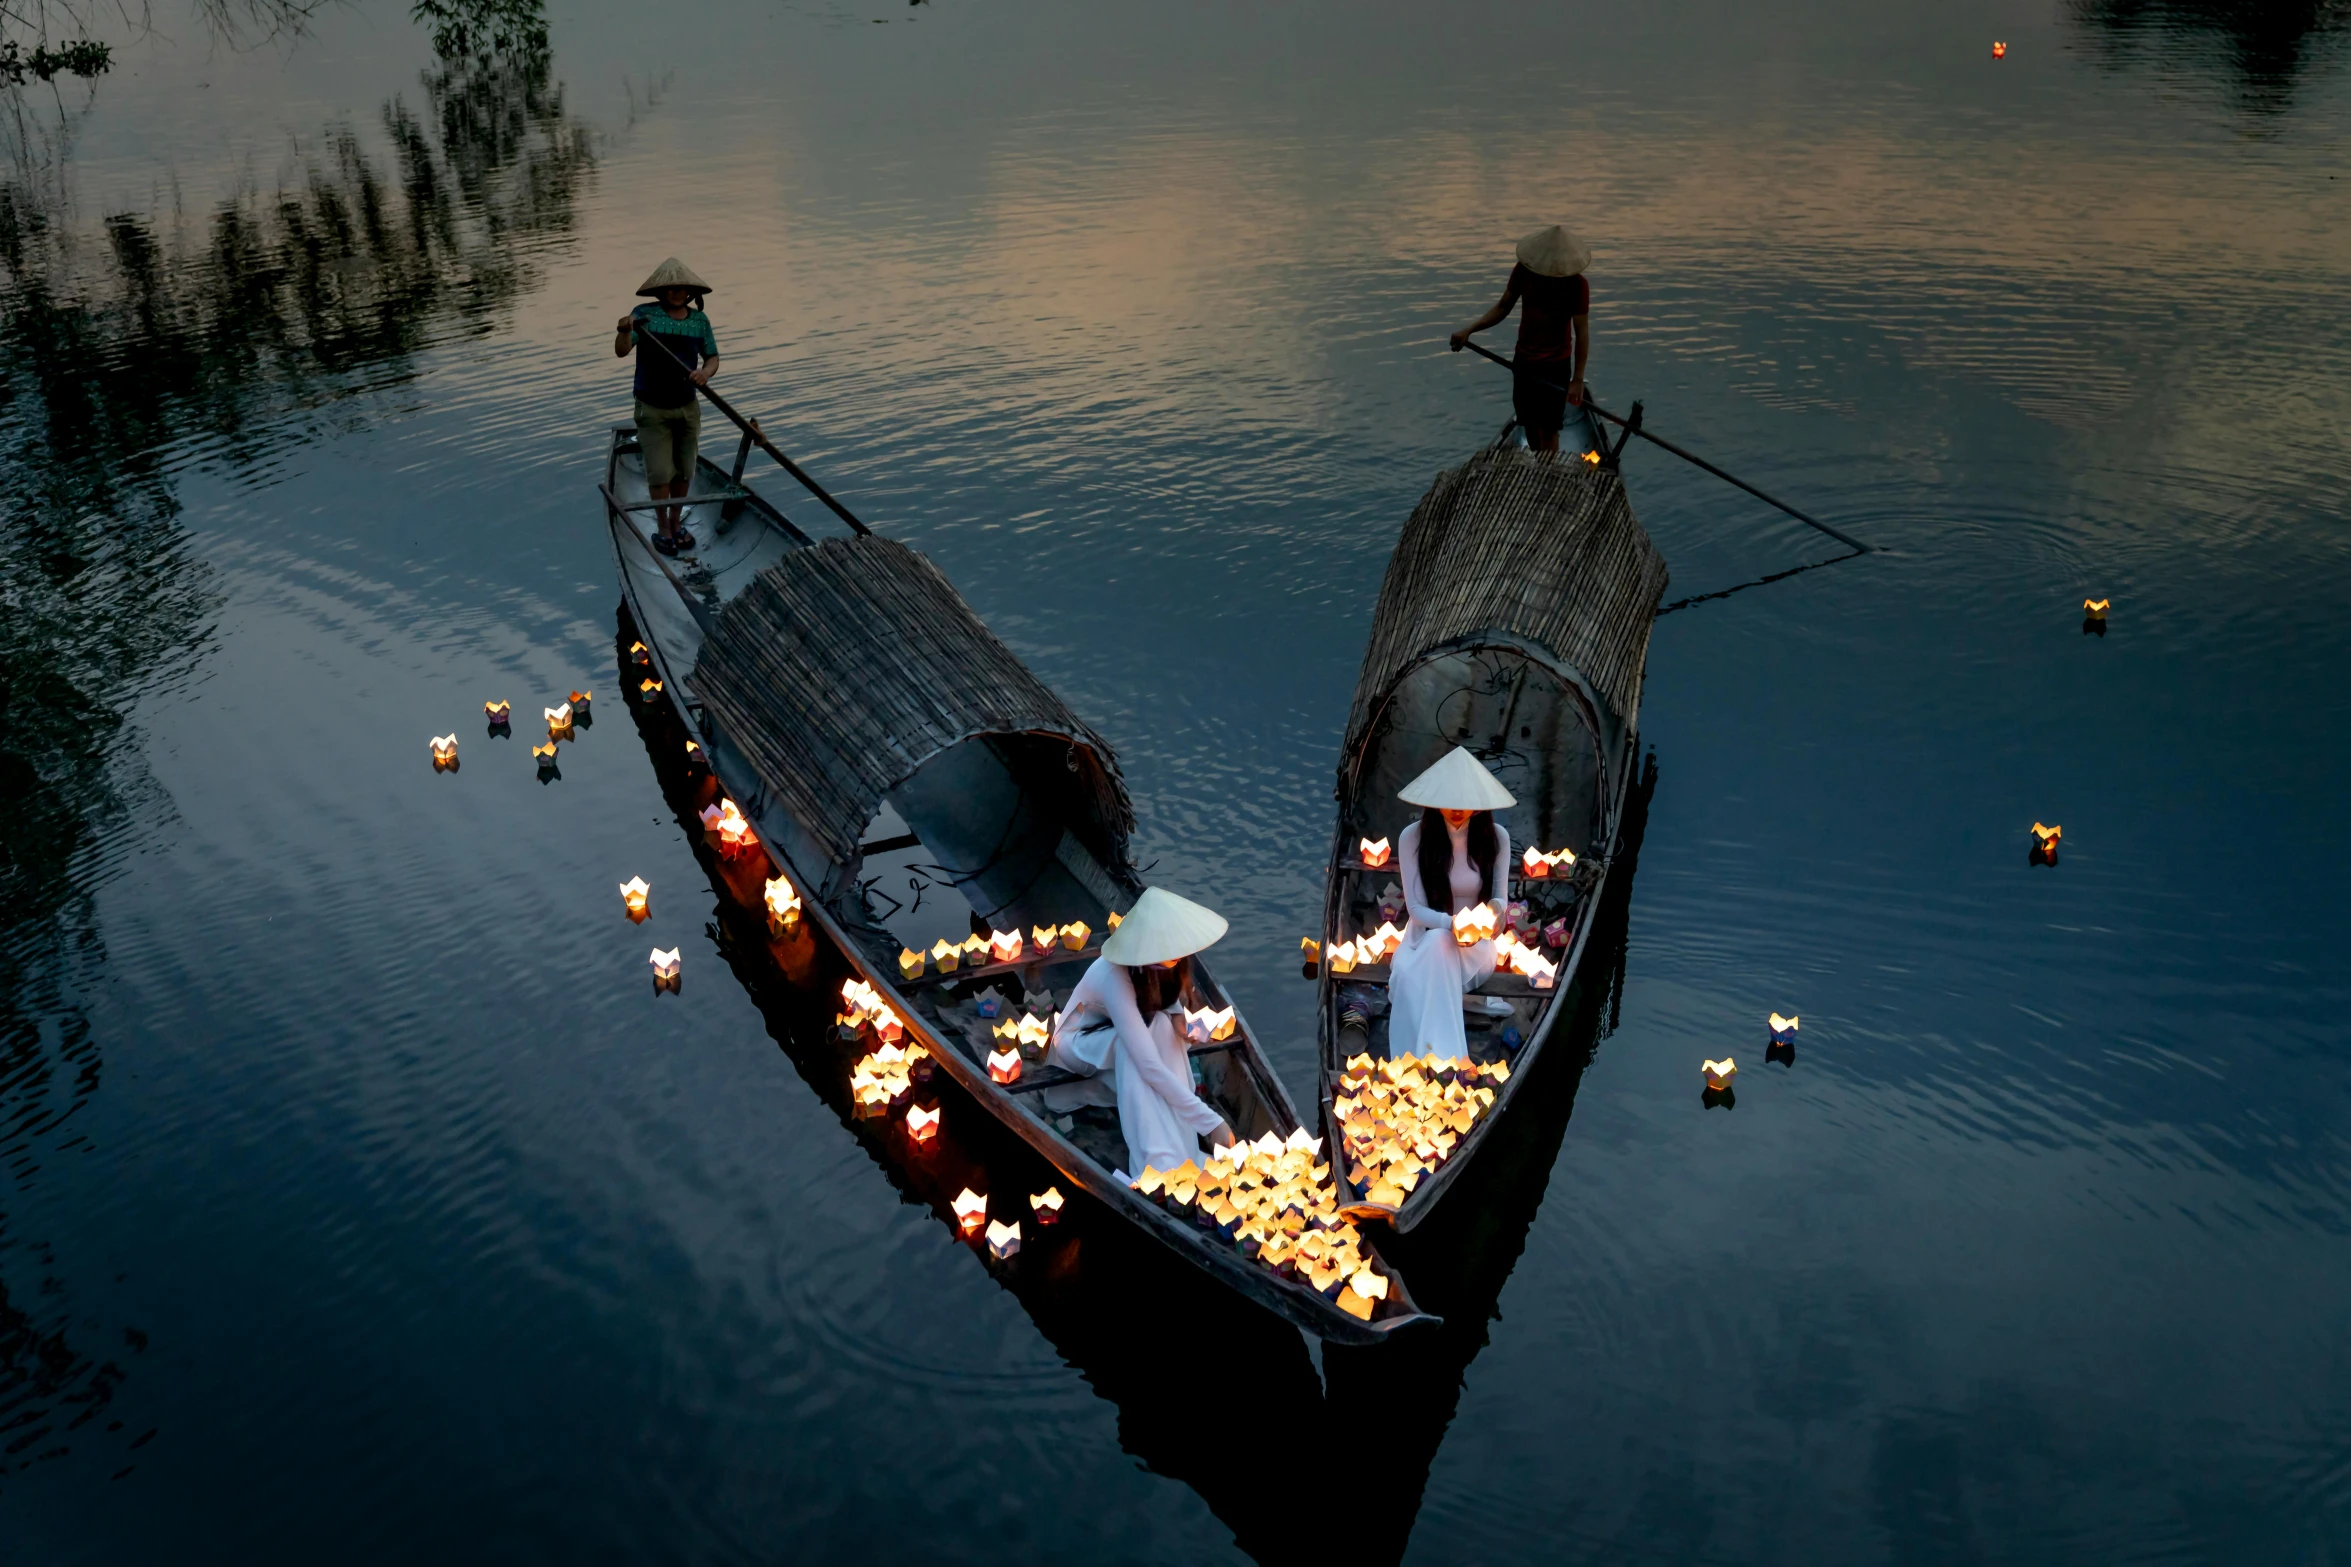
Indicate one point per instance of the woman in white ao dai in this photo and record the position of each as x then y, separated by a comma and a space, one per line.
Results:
1431, 972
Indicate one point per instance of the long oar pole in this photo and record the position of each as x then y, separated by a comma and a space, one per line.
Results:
1633, 428
751, 429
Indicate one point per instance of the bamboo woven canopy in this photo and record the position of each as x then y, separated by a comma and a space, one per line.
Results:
842, 668
1541, 548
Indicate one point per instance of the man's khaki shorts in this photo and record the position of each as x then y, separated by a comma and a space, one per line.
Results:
670, 438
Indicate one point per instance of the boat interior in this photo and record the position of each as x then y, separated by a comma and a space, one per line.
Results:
1539, 731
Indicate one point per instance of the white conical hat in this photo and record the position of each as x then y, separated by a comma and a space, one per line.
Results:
1459, 782
672, 273
1163, 926
1554, 252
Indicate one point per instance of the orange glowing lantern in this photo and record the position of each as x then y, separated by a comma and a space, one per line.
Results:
923, 1124
1046, 1205
1375, 853
633, 895
1003, 1241
888, 1027
947, 954
1073, 935
911, 962
783, 904
1383, 941
648, 689
1999, 50
558, 719
666, 965
639, 653
1043, 937
444, 752
1783, 1029
2095, 609
971, 1210
1115, 919
579, 703
1004, 1066
545, 753
693, 753
498, 712
1474, 924
1720, 1073
1310, 949
1341, 957
2048, 836
1593, 458
1004, 946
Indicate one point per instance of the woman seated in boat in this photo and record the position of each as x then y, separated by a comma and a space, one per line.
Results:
1119, 1030
1455, 857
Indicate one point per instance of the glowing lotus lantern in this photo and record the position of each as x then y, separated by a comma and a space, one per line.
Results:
639, 653
1032, 1032
444, 752
1114, 919
1375, 852
948, 955
971, 1210
558, 719
648, 688
1046, 1205
1593, 458
633, 895
2045, 843
1341, 957
666, 965
579, 703
693, 755
1074, 934
922, 1123
1474, 924
783, 903
1210, 1023
1004, 946
1783, 1030
1004, 1066
2095, 609
1044, 937
1999, 50
975, 949
1003, 1241
1541, 972
888, 1027
911, 962
1386, 940
1310, 951
545, 755
1720, 1073
498, 713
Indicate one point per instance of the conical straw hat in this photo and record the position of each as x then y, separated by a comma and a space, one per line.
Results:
1459, 782
1554, 252
1163, 926
672, 273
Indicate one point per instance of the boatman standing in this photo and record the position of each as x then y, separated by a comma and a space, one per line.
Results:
1554, 331
669, 411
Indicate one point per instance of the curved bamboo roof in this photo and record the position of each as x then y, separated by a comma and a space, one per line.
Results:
1522, 545
844, 667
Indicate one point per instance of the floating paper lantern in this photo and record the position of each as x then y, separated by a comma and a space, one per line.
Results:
910, 963
783, 903
648, 689
666, 965
1003, 1241
1074, 934
444, 750
1783, 1029
1046, 1205
1999, 50
1004, 946
579, 703
2095, 609
1720, 1073
970, 1210
2048, 836
1375, 852
1474, 924
1592, 458
948, 955
633, 895
922, 1122
497, 712
1004, 1066
693, 755
558, 719
639, 653
1310, 950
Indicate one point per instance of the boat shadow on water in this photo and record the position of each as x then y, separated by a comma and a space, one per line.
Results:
1077, 1279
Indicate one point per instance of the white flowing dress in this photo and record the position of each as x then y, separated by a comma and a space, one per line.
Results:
1102, 1034
1431, 972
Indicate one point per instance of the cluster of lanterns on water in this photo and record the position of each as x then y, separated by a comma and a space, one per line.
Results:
1720, 1074
1274, 1200
500, 715
727, 827
997, 946
1403, 1116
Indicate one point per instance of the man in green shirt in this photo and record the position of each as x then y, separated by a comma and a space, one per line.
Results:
669, 411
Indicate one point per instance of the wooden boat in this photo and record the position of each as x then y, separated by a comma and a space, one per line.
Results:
1514, 619
864, 722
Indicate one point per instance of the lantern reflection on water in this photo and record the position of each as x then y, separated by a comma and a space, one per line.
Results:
970, 1210
1003, 1240
633, 895
1375, 852
1046, 1205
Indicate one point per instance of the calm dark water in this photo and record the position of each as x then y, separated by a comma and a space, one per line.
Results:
360, 1201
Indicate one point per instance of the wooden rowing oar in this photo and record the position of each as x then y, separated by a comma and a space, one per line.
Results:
1632, 427
751, 428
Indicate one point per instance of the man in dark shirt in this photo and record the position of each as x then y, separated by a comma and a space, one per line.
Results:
669, 411
1554, 331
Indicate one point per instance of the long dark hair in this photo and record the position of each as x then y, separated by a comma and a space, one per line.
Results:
1436, 856
1156, 988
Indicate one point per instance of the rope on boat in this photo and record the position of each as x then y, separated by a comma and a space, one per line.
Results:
751, 430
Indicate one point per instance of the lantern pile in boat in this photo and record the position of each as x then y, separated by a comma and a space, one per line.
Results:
783, 904
1539, 865
863, 1008
1210, 1023
1514, 956
1274, 1199
1375, 852
887, 1073
1402, 1117
725, 822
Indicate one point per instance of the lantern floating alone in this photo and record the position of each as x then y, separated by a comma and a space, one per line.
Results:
639, 653
1720, 1073
648, 688
444, 753
667, 965
1999, 50
2095, 609
1046, 1205
1003, 1240
970, 1209
1783, 1029
633, 895
783, 903
498, 713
